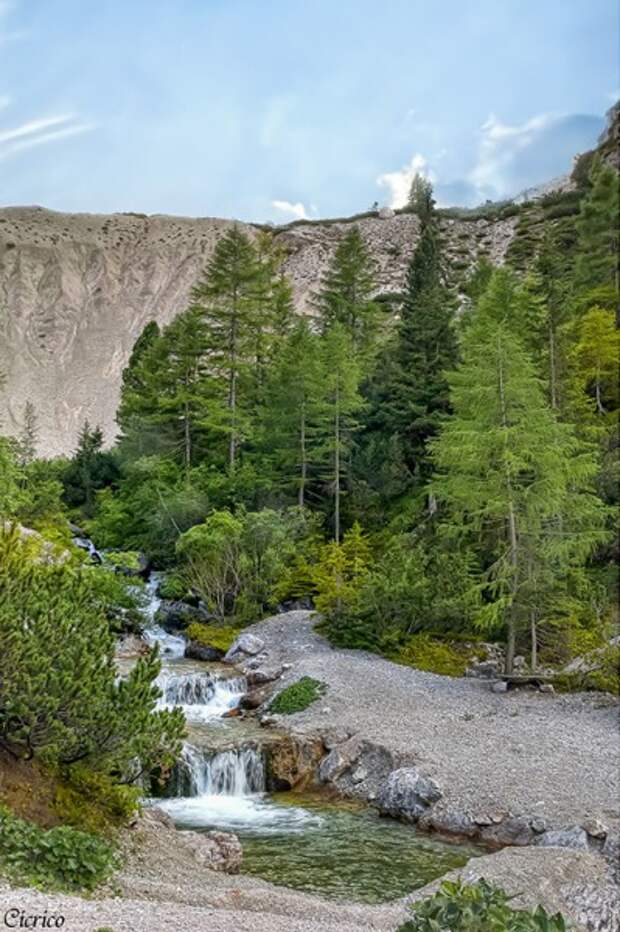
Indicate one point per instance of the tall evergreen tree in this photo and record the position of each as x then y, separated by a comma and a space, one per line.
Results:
28, 437
294, 402
225, 299
414, 395
420, 199
345, 296
90, 470
513, 477
597, 266
342, 405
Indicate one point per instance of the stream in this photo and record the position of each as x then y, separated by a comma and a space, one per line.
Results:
341, 849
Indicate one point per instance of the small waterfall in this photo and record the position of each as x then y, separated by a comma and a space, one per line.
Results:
170, 645
238, 772
202, 696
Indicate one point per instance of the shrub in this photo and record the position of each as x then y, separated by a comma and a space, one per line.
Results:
476, 907
219, 636
426, 653
93, 801
298, 696
61, 857
123, 559
61, 699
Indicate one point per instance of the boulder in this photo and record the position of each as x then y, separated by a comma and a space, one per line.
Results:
246, 644
595, 828
573, 837
177, 615
486, 669
293, 762
221, 851
448, 821
196, 651
407, 794
500, 687
262, 675
512, 830
131, 646
256, 697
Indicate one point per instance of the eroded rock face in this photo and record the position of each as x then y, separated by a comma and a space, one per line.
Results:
77, 290
294, 760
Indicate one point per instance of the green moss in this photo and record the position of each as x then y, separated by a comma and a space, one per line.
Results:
298, 696
218, 636
604, 677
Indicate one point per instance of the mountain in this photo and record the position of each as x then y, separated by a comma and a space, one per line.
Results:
77, 289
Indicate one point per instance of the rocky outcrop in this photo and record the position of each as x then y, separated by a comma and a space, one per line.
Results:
220, 851
76, 290
407, 794
292, 762
176, 616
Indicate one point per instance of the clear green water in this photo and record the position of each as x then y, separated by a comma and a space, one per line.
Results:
339, 851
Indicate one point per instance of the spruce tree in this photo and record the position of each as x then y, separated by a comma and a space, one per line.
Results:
338, 422
414, 395
597, 271
225, 299
513, 478
420, 199
28, 437
345, 296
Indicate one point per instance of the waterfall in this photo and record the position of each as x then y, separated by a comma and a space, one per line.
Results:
202, 696
170, 645
238, 772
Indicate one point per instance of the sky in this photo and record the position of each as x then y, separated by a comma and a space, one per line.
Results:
268, 110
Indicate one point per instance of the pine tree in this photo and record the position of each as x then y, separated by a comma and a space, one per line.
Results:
420, 199
510, 474
90, 469
225, 300
597, 272
345, 296
342, 404
414, 395
139, 395
27, 440
295, 393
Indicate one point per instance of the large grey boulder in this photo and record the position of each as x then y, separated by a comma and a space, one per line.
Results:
221, 851
407, 794
245, 645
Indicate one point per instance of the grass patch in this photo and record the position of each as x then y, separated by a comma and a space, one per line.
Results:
218, 636
298, 696
434, 656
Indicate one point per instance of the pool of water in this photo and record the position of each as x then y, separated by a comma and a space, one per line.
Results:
343, 851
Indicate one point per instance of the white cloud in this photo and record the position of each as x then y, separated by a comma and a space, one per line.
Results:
399, 183
499, 143
39, 132
296, 210
33, 126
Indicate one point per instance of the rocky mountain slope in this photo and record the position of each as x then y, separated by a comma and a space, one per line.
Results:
77, 289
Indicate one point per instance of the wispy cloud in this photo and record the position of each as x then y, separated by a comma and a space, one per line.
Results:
296, 210
40, 132
499, 145
398, 183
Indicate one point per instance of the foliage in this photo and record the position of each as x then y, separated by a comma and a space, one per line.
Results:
61, 857
420, 199
90, 469
338, 578
427, 653
298, 696
93, 801
477, 907
52, 625
221, 637
122, 559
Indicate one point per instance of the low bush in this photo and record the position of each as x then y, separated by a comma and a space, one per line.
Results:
62, 857
219, 636
458, 907
93, 801
298, 696
433, 655
123, 560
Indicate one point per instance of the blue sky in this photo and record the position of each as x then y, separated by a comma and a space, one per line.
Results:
270, 109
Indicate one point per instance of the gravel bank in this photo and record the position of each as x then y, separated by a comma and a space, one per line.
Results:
552, 756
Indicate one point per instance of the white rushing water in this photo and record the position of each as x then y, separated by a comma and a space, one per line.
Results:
202, 696
227, 791
170, 645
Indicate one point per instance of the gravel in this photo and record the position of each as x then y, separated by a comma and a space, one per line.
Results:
556, 757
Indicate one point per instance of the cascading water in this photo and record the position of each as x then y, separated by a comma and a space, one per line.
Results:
202, 696
170, 645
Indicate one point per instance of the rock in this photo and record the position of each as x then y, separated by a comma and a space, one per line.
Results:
221, 851
595, 828
486, 669
512, 830
359, 775
256, 697
159, 816
386, 213
573, 837
131, 645
407, 794
293, 762
264, 675
546, 688
332, 737
500, 687
449, 822
177, 615
196, 651
245, 644
538, 825
519, 662
232, 713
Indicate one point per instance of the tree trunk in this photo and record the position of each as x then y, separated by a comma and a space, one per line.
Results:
512, 532
187, 440
534, 640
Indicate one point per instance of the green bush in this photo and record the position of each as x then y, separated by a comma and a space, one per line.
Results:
219, 636
123, 559
298, 696
434, 656
61, 857
173, 587
478, 907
